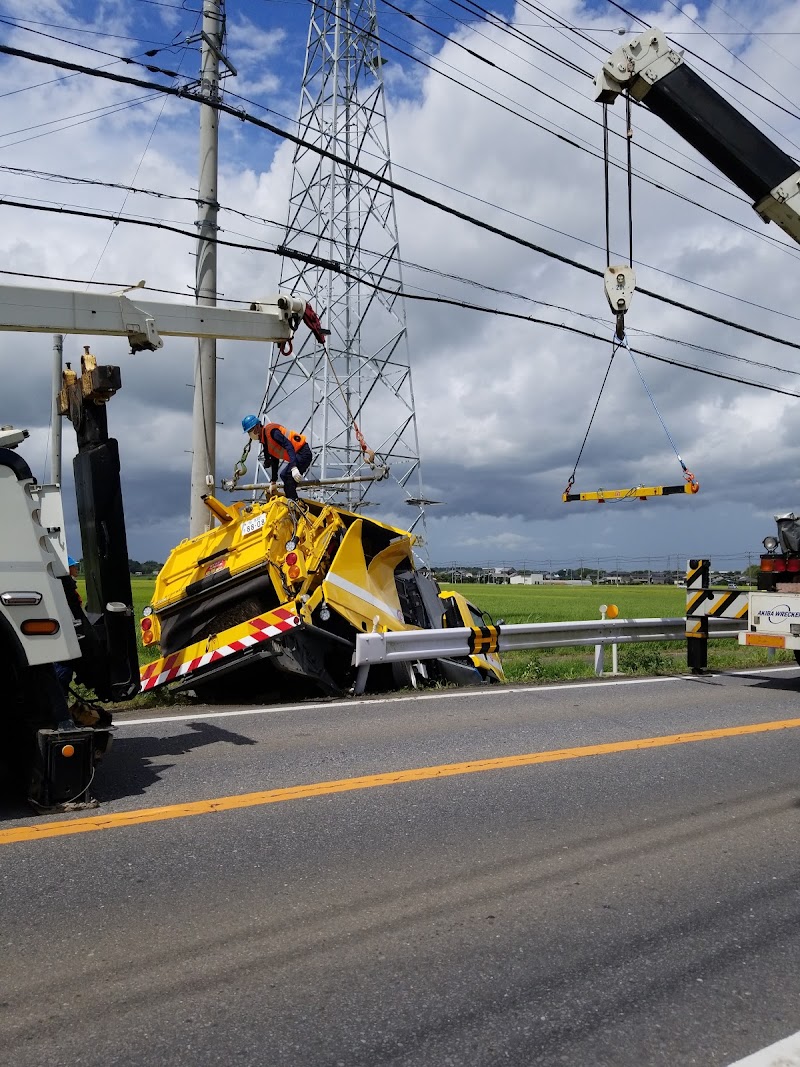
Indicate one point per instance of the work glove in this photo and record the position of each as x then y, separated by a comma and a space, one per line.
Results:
273, 488
298, 477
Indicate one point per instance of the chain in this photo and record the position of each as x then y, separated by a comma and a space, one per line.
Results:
240, 468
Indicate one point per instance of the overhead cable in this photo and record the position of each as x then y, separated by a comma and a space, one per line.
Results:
708, 62
67, 179
581, 114
464, 305
379, 178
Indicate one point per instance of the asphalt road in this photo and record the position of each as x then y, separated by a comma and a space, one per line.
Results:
627, 905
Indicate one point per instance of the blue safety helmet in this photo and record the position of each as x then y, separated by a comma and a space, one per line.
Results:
72, 562
249, 422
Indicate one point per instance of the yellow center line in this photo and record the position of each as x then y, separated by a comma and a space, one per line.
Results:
140, 816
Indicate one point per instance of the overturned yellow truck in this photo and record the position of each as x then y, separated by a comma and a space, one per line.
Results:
268, 604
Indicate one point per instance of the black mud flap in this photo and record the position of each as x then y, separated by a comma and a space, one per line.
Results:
64, 768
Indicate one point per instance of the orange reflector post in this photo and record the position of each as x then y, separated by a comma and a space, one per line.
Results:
40, 627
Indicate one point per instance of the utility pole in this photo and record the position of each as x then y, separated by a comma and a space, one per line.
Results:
204, 412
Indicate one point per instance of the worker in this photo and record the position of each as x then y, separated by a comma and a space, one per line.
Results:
281, 444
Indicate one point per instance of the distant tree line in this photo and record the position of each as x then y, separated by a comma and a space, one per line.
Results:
150, 566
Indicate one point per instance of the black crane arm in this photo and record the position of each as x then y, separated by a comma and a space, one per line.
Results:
653, 72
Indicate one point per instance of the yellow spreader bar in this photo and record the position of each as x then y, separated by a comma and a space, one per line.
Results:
140, 816
639, 492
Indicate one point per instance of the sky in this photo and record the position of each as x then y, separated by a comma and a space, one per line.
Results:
502, 404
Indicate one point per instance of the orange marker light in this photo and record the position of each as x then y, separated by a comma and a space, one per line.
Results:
40, 627
294, 572
68, 750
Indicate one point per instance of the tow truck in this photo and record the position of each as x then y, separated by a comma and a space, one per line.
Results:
277, 590
41, 751
654, 73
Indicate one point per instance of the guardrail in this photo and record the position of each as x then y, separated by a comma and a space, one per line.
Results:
407, 646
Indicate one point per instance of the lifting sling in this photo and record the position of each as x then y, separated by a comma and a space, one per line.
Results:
640, 492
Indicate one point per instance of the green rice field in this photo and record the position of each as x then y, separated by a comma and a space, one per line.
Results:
560, 603
573, 603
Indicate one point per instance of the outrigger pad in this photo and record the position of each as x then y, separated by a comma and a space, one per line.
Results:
63, 770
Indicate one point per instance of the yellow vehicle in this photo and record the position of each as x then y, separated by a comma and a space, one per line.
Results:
269, 603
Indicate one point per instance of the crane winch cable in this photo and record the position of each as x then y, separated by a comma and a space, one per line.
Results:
619, 280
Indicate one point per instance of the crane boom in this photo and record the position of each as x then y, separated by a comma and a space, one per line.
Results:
68, 311
652, 71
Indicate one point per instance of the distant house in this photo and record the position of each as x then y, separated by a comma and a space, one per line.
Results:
526, 579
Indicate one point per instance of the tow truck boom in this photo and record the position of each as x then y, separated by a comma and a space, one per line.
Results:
652, 71
68, 311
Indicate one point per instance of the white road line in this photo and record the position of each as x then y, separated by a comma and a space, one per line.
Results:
784, 1053
448, 694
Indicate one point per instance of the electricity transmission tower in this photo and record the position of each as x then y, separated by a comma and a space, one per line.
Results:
342, 253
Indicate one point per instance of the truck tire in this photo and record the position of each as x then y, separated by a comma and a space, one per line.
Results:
27, 704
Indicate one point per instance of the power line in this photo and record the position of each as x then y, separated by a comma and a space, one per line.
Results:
259, 219
431, 299
733, 55
438, 297
523, 81
119, 59
642, 177
593, 336
708, 62
382, 179
102, 113
569, 140
17, 23
466, 306
142, 157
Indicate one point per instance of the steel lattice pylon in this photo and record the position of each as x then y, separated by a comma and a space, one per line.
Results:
338, 216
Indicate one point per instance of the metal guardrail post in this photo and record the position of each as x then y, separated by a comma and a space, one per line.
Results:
599, 650
361, 679
599, 661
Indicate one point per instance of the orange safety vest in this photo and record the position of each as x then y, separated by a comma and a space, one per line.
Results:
272, 446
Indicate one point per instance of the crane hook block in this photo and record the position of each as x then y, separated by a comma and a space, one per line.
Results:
620, 283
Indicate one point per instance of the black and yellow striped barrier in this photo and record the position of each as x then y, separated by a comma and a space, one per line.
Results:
702, 604
483, 640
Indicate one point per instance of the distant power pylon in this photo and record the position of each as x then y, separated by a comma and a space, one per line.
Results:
343, 255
